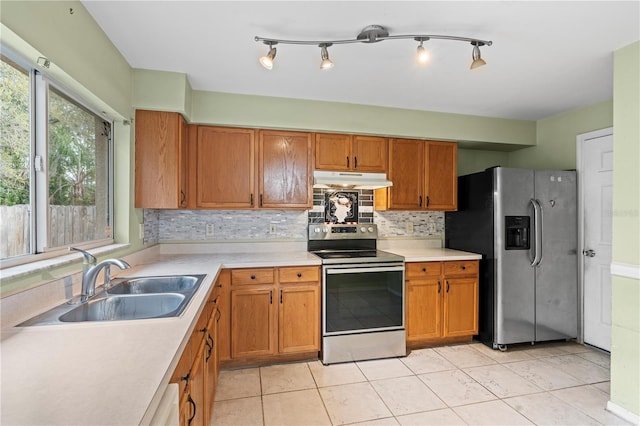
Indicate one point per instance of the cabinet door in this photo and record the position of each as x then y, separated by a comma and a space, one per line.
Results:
299, 318
196, 389
224, 322
284, 170
211, 365
186, 409
333, 152
406, 171
184, 163
369, 154
160, 160
225, 168
424, 301
442, 176
252, 322
460, 307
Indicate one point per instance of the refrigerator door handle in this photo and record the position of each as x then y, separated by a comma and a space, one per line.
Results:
537, 240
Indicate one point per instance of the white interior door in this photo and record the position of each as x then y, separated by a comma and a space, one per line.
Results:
596, 170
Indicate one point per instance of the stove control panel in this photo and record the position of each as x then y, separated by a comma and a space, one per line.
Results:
322, 231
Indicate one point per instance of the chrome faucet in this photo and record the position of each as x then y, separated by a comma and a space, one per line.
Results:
90, 271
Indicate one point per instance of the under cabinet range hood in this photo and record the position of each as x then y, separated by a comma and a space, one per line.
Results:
350, 180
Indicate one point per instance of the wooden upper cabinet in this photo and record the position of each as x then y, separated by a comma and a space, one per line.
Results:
369, 153
225, 167
442, 176
424, 176
284, 170
160, 160
340, 152
332, 151
406, 171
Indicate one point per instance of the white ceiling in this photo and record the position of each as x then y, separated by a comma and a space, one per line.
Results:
547, 56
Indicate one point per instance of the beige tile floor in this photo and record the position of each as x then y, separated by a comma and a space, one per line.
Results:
547, 384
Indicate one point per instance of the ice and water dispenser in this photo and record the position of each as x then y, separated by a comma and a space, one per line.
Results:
517, 232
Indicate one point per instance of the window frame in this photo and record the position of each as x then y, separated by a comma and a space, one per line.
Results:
39, 85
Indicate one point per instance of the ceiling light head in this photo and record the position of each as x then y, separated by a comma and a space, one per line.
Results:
477, 60
324, 54
422, 55
267, 60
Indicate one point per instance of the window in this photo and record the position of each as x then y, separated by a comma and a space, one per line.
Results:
55, 168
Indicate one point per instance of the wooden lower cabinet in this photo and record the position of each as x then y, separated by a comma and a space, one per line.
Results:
299, 318
424, 306
442, 301
460, 307
197, 370
252, 322
277, 318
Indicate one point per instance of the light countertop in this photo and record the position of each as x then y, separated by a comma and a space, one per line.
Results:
116, 372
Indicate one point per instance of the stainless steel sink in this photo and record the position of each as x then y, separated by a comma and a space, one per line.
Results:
160, 284
115, 308
129, 299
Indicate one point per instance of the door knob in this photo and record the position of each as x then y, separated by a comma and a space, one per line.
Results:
589, 253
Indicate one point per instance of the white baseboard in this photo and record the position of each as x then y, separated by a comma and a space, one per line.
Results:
623, 413
626, 270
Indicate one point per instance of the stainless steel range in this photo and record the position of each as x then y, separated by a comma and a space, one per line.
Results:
362, 294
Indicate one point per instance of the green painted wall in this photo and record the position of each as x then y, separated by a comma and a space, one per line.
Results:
474, 160
271, 112
556, 137
162, 91
625, 330
74, 43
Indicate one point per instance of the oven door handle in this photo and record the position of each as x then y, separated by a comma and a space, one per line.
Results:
334, 271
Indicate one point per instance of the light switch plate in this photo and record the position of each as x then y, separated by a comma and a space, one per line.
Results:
409, 227
272, 228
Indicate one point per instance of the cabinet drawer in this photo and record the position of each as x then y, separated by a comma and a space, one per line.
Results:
300, 274
252, 276
461, 267
422, 269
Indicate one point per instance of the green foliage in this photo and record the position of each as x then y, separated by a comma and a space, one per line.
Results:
72, 168
14, 136
72, 144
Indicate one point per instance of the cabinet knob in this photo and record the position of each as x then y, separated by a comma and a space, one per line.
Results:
299, 274
424, 269
253, 277
463, 267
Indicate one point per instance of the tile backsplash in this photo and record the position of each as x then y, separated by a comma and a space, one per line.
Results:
258, 225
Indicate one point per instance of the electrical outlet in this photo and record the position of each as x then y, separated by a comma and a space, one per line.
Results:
272, 228
409, 227
431, 228
209, 230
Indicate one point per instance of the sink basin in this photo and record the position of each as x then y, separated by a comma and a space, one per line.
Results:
143, 285
129, 299
115, 308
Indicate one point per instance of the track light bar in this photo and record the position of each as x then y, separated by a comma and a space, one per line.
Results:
374, 34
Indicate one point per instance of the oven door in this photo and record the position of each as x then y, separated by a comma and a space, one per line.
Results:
361, 298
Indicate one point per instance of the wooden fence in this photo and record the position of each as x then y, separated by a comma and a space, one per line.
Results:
67, 225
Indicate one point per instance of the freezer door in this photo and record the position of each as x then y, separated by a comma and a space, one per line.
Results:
514, 283
557, 272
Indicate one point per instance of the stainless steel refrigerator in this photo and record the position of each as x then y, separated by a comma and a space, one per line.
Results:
524, 223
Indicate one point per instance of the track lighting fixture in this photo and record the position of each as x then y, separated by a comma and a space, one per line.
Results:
373, 34
324, 55
267, 60
422, 56
475, 55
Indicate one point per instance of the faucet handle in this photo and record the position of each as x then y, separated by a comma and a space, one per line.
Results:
89, 259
